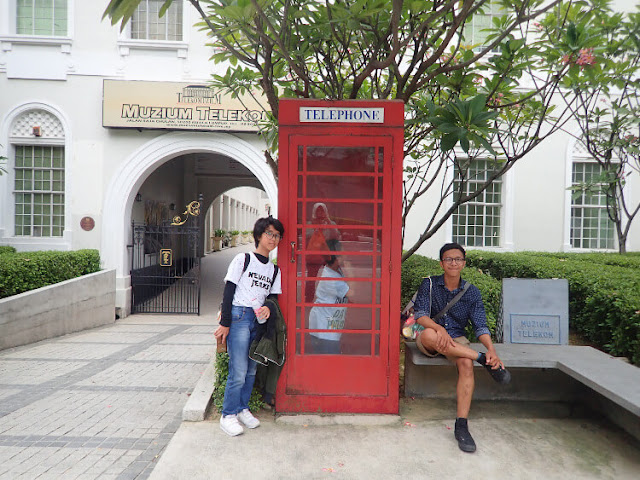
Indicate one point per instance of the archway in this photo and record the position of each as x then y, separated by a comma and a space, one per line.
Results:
124, 185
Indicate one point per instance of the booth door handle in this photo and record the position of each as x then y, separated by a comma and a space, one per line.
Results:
293, 252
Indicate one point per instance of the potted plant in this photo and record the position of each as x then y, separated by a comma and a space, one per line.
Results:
235, 235
218, 236
247, 236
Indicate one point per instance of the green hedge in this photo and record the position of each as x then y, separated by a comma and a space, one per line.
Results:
24, 271
416, 267
630, 260
604, 298
4, 249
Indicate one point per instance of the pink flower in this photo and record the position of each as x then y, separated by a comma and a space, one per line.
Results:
497, 100
586, 57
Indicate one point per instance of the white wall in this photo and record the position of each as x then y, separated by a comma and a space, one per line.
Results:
107, 167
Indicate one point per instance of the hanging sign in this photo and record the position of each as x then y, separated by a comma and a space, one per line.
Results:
178, 106
166, 257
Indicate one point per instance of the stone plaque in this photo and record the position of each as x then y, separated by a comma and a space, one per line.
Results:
534, 311
535, 328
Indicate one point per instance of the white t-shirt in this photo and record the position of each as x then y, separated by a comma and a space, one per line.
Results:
252, 286
331, 318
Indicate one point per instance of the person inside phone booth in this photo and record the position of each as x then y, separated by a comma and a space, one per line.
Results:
335, 291
320, 239
444, 334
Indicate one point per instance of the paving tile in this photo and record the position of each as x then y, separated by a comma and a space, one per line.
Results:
98, 404
32, 372
168, 352
109, 336
65, 351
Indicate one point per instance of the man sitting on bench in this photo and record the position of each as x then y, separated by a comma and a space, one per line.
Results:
444, 306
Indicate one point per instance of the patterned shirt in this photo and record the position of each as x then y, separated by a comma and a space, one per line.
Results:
469, 307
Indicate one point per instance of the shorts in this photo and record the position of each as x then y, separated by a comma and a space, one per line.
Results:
461, 340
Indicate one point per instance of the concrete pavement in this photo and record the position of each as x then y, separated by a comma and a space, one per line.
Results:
516, 440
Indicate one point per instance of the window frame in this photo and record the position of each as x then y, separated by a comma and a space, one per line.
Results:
598, 239
576, 152
52, 24
501, 237
126, 43
33, 192
472, 31
9, 35
7, 182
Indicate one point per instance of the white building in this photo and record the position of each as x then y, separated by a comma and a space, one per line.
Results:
77, 176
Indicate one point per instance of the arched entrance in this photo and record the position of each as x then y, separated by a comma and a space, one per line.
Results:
128, 179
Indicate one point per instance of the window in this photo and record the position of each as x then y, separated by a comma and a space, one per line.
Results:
475, 31
591, 226
39, 191
477, 223
41, 17
147, 25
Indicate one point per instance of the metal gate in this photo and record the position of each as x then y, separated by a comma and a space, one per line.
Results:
165, 265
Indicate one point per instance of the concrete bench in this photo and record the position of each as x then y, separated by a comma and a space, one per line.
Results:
565, 373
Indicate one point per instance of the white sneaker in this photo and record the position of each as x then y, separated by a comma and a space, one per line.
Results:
248, 419
230, 425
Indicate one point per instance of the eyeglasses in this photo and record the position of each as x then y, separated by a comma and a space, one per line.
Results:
273, 236
453, 260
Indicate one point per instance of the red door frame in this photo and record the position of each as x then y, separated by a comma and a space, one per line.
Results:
378, 379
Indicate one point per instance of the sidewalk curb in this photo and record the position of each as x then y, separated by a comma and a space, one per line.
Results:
362, 420
196, 407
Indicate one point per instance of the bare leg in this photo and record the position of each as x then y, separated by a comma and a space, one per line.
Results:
428, 339
466, 384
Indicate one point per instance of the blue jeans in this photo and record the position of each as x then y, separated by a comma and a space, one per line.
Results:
321, 346
242, 370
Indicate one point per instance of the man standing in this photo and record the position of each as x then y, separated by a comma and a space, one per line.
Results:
446, 335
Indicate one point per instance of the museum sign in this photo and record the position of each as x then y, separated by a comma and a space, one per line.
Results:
177, 106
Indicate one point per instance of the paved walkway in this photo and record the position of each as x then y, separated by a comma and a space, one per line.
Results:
516, 441
105, 402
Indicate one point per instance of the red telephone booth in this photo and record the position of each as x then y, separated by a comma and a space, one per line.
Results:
340, 199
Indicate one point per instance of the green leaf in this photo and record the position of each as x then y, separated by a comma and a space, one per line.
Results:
448, 142
477, 104
164, 8
464, 143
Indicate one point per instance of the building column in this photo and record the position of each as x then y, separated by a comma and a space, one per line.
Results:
216, 216
208, 232
244, 217
226, 213
232, 214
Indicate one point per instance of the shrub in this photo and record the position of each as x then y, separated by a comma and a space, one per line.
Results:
222, 373
5, 249
604, 299
631, 260
24, 271
416, 267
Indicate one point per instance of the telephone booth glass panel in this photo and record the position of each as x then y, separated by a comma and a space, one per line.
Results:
340, 213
